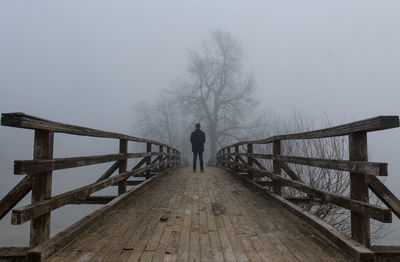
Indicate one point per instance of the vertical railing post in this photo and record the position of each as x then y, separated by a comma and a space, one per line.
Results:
160, 161
148, 161
41, 187
226, 157
276, 167
229, 157
358, 151
250, 161
168, 156
237, 157
123, 149
175, 156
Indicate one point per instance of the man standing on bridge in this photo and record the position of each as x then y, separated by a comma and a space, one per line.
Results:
198, 138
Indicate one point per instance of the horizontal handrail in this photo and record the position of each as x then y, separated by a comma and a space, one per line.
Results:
363, 167
42, 165
23, 120
367, 125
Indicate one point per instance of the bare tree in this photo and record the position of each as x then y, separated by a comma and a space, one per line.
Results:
163, 121
216, 91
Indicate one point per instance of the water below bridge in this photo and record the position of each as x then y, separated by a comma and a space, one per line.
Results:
210, 216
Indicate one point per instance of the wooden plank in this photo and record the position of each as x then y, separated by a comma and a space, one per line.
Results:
364, 167
357, 251
26, 213
109, 171
226, 245
276, 167
375, 212
216, 249
15, 195
13, 254
94, 200
148, 162
384, 194
367, 125
290, 172
360, 224
123, 163
140, 164
305, 201
183, 246
74, 231
250, 159
205, 248
42, 165
41, 188
23, 120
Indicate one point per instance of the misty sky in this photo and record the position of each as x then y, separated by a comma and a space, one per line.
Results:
88, 62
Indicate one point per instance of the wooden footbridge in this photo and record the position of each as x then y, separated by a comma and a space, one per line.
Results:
233, 212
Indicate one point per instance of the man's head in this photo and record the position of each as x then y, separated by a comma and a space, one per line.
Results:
197, 125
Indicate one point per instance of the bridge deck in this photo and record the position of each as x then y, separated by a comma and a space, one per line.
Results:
210, 216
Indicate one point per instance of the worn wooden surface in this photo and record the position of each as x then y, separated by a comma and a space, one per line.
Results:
23, 120
210, 216
367, 125
364, 167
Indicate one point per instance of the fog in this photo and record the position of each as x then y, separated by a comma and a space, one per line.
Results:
89, 62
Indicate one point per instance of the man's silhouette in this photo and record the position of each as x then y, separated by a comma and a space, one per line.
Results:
198, 138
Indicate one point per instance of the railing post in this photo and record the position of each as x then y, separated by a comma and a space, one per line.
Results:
168, 156
229, 157
123, 149
41, 186
358, 151
161, 157
226, 157
276, 167
237, 157
250, 160
148, 161
175, 156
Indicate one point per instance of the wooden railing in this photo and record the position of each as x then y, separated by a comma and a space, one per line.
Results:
363, 174
38, 172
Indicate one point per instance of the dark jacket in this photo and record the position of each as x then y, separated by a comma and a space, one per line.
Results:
197, 138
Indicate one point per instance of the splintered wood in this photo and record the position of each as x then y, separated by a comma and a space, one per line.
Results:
210, 216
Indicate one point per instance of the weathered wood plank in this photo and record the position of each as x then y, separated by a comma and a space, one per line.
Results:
26, 213
94, 200
367, 125
305, 200
43, 165
360, 224
41, 187
123, 164
276, 167
109, 171
384, 194
363, 167
13, 254
23, 120
140, 164
15, 195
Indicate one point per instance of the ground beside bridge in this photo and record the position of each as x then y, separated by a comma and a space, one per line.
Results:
210, 216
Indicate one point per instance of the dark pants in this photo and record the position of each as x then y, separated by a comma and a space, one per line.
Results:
195, 159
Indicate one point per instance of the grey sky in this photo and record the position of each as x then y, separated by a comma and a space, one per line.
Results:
89, 62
